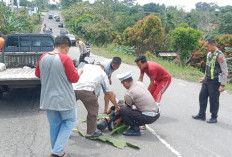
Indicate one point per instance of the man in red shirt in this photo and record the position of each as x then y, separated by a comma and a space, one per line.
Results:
159, 77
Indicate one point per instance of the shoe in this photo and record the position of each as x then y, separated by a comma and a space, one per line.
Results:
133, 131
199, 117
212, 120
95, 134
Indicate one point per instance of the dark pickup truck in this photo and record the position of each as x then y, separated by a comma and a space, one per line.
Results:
19, 56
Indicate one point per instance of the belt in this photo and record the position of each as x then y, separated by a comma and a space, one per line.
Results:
151, 114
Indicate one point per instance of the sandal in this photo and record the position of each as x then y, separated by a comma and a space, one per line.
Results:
63, 155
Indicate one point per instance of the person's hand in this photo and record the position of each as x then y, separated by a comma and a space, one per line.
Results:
221, 88
201, 79
117, 109
110, 81
117, 122
80, 71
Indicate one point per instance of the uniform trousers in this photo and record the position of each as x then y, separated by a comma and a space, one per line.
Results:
90, 100
209, 90
135, 118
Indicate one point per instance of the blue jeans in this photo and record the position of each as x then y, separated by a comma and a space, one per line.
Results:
61, 125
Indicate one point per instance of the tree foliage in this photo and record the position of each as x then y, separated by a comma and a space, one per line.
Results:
146, 35
225, 24
185, 40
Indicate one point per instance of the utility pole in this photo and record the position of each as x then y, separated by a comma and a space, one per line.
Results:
12, 5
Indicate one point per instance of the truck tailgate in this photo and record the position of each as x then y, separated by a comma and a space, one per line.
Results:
19, 77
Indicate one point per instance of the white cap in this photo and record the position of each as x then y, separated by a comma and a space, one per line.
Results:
124, 76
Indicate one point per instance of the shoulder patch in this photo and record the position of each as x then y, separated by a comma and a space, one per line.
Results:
221, 59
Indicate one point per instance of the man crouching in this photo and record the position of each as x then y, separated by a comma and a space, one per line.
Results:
146, 110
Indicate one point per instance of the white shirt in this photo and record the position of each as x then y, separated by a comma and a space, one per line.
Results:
92, 77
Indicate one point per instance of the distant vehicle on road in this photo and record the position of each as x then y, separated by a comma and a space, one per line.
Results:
19, 56
72, 38
63, 31
57, 19
55, 15
61, 25
50, 16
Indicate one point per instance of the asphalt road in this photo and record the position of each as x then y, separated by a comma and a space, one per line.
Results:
24, 128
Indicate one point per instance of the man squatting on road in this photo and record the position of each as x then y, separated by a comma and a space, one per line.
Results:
146, 110
57, 73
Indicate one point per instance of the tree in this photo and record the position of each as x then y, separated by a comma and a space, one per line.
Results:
225, 23
185, 40
146, 35
154, 8
67, 3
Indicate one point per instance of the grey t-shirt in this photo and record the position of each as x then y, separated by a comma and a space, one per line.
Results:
56, 90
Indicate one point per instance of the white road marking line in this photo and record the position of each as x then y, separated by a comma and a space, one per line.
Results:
164, 142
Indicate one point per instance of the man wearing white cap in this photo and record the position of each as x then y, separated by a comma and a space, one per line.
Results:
91, 78
137, 95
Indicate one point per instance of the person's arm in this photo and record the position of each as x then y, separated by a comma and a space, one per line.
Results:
112, 98
110, 81
70, 70
141, 76
224, 74
151, 83
37, 70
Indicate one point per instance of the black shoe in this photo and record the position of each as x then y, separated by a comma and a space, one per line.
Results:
199, 117
133, 131
212, 120
95, 134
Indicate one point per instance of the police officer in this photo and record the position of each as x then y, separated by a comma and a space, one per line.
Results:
213, 82
143, 110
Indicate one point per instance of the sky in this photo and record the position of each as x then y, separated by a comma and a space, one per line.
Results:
187, 5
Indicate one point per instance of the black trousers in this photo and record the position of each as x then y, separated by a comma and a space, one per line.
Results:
134, 118
82, 58
209, 89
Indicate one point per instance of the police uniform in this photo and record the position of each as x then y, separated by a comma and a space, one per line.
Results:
146, 112
215, 76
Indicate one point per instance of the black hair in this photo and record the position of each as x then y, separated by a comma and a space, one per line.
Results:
117, 60
211, 41
62, 40
141, 58
128, 79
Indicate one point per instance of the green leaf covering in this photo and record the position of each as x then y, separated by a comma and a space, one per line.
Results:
120, 129
98, 117
115, 142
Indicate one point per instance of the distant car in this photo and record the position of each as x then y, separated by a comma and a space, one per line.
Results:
50, 16
57, 19
72, 38
61, 25
63, 31
55, 15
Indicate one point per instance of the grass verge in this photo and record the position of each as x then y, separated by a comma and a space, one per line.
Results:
186, 73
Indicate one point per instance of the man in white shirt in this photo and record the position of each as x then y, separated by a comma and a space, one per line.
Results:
91, 78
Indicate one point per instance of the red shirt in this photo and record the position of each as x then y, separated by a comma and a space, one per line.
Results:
156, 72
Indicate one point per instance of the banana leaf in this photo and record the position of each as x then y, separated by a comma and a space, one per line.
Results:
115, 142
120, 129
98, 117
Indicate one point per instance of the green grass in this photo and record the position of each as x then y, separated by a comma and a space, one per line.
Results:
186, 73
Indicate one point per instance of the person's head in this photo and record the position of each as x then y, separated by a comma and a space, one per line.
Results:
210, 45
141, 62
77, 40
116, 62
62, 44
126, 79
87, 42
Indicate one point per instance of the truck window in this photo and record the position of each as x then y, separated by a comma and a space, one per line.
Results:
46, 42
25, 43
36, 41
12, 42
